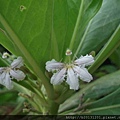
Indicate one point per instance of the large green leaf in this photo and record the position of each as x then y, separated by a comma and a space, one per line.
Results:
102, 94
102, 26
45, 27
40, 27
109, 104
29, 29
88, 10
107, 50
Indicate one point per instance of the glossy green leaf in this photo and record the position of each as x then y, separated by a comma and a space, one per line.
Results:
107, 105
96, 94
87, 11
46, 28
102, 27
25, 31
107, 50
106, 101
38, 27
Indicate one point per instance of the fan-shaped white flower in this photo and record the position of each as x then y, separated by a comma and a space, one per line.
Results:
72, 71
11, 72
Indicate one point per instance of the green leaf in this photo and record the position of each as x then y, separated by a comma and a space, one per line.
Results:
65, 13
107, 50
27, 33
40, 28
106, 101
87, 11
6, 41
110, 110
49, 29
115, 57
102, 27
107, 105
96, 94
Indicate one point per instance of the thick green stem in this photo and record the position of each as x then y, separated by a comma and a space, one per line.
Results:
64, 96
54, 108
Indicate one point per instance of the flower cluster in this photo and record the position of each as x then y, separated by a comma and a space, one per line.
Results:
71, 72
11, 72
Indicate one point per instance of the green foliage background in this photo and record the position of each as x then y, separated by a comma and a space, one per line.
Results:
46, 28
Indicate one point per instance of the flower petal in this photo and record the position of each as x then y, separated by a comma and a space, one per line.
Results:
83, 74
2, 77
6, 80
53, 65
2, 69
58, 77
17, 63
72, 79
17, 74
85, 60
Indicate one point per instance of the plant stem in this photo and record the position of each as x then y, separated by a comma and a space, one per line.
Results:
54, 108
64, 96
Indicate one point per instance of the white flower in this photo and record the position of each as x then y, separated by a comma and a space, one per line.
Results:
71, 72
11, 72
